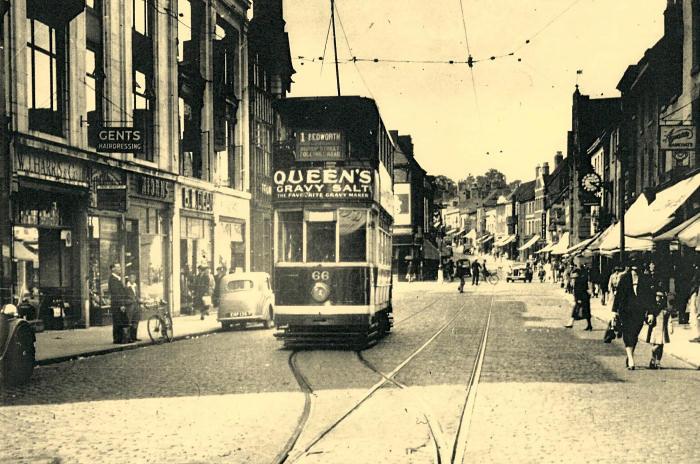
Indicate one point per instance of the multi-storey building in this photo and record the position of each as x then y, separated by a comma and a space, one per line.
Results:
270, 70
127, 140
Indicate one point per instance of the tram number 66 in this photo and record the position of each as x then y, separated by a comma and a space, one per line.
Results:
320, 275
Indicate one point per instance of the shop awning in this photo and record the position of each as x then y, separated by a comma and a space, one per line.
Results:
471, 234
505, 241
688, 233
485, 239
547, 248
21, 252
562, 245
430, 251
647, 219
581, 246
529, 243
611, 243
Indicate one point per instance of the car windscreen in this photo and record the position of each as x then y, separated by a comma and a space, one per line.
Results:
238, 285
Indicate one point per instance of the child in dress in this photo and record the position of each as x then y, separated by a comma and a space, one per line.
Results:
660, 326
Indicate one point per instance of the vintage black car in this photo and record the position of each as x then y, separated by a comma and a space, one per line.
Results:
17, 350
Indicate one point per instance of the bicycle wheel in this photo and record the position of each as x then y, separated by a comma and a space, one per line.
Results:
155, 329
167, 327
492, 279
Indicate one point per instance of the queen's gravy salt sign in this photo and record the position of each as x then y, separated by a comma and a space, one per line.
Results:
323, 184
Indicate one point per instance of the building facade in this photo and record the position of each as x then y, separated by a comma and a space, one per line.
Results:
78, 78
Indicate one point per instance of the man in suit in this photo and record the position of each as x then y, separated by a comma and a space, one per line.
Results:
117, 293
476, 268
133, 311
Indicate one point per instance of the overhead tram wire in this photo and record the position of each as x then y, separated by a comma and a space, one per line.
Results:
347, 42
546, 26
325, 44
470, 62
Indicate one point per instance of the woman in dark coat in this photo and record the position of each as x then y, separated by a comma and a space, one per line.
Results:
631, 303
582, 308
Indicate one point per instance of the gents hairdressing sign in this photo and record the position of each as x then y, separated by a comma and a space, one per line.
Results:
320, 145
119, 140
323, 184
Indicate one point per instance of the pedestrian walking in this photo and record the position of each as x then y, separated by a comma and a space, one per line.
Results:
117, 295
658, 320
133, 309
460, 272
604, 285
631, 303
410, 273
476, 269
203, 290
582, 305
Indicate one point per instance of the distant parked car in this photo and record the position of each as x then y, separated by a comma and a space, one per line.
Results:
246, 297
519, 272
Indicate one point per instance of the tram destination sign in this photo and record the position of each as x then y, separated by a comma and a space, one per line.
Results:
323, 184
320, 145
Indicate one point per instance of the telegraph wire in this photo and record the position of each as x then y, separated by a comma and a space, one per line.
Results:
549, 23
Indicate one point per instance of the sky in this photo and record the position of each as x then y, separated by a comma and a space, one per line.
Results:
521, 110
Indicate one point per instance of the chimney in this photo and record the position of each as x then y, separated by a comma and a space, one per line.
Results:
545, 169
537, 171
558, 158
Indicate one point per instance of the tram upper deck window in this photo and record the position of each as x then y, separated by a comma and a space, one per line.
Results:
353, 235
320, 236
290, 236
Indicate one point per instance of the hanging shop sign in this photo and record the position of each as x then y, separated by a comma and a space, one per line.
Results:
50, 166
323, 184
119, 140
543, 229
681, 138
320, 145
199, 200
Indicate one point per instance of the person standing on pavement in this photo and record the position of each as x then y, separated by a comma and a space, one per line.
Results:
220, 273
133, 310
582, 307
476, 269
410, 272
117, 294
604, 285
658, 320
631, 303
203, 291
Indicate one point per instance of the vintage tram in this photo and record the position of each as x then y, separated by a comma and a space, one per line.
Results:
332, 197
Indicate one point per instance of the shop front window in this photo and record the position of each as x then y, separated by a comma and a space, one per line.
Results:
353, 235
290, 236
195, 243
104, 251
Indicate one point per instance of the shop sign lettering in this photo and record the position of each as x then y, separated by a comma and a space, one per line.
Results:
119, 140
323, 184
196, 199
677, 137
50, 166
153, 187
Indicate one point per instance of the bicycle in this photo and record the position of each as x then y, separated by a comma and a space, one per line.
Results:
160, 324
491, 277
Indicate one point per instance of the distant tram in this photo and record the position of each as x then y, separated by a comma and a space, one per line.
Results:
332, 197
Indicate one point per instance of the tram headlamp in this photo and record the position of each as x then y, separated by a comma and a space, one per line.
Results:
320, 292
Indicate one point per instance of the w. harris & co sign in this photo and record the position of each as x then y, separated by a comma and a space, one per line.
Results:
323, 184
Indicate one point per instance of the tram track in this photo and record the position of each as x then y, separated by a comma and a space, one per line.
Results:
452, 453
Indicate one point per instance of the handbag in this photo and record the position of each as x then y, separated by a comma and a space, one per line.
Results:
610, 333
206, 300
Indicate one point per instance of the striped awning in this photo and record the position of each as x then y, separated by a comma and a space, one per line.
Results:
530, 242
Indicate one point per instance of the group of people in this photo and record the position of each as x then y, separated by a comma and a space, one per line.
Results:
640, 300
462, 269
204, 288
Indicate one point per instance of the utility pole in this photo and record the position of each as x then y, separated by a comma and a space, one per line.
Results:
335, 47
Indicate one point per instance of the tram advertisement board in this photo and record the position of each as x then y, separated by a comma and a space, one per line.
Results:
324, 184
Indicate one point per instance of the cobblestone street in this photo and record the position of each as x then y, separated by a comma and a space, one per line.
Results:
545, 394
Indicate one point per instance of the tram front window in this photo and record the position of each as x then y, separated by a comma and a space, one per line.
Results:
290, 236
353, 235
320, 242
